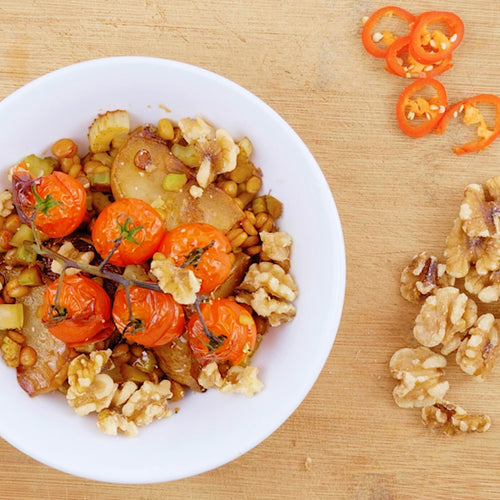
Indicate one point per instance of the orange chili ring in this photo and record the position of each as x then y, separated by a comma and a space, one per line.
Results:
387, 37
412, 68
417, 116
430, 48
472, 116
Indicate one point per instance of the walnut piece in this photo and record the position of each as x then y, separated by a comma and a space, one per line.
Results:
148, 403
269, 289
112, 421
89, 390
480, 209
181, 283
461, 252
217, 149
123, 393
239, 379
6, 203
97, 396
479, 350
276, 245
444, 319
420, 372
486, 287
194, 129
68, 250
84, 368
422, 276
453, 419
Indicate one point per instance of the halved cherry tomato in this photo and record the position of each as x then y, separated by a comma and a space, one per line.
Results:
130, 229
386, 37
418, 115
473, 116
409, 67
58, 198
232, 328
429, 48
82, 312
156, 317
202, 248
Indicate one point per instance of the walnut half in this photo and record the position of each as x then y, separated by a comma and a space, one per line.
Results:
444, 319
420, 372
422, 276
479, 350
453, 419
270, 290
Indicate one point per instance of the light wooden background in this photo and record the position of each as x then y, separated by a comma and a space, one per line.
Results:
395, 196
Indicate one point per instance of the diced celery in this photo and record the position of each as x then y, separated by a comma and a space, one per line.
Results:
30, 277
100, 179
40, 166
24, 233
25, 256
174, 182
11, 316
189, 155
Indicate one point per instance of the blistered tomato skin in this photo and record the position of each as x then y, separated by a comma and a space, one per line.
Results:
58, 198
129, 228
156, 318
229, 321
84, 310
202, 248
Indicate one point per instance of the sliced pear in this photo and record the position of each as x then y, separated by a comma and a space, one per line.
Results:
139, 169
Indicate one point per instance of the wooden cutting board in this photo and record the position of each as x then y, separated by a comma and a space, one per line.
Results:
396, 196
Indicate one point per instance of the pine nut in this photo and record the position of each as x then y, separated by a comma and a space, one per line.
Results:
248, 227
253, 250
236, 237
17, 336
251, 241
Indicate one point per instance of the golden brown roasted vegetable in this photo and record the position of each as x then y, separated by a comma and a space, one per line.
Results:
139, 169
52, 355
178, 363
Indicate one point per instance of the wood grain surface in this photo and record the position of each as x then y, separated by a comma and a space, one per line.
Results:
396, 196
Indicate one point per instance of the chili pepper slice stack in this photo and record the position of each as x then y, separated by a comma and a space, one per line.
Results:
423, 52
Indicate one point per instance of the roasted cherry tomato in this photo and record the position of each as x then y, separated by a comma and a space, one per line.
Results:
377, 42
202, 248
418, 115
400, 62
472, 115
156, 317
81, 315
59, 201
129, 229
231, 332
431, 47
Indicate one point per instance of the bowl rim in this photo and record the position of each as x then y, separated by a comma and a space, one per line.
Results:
333, 223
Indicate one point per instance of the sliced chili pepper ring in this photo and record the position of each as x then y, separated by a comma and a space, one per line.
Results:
408, 67
430, 48
473, 116
372, 38
418, 115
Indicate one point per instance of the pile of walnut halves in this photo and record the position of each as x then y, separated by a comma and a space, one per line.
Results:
449, 323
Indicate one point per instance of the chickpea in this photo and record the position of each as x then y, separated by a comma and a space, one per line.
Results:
64, 148
27, 356
12, 223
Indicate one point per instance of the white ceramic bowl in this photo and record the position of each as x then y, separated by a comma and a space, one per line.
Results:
210, 429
